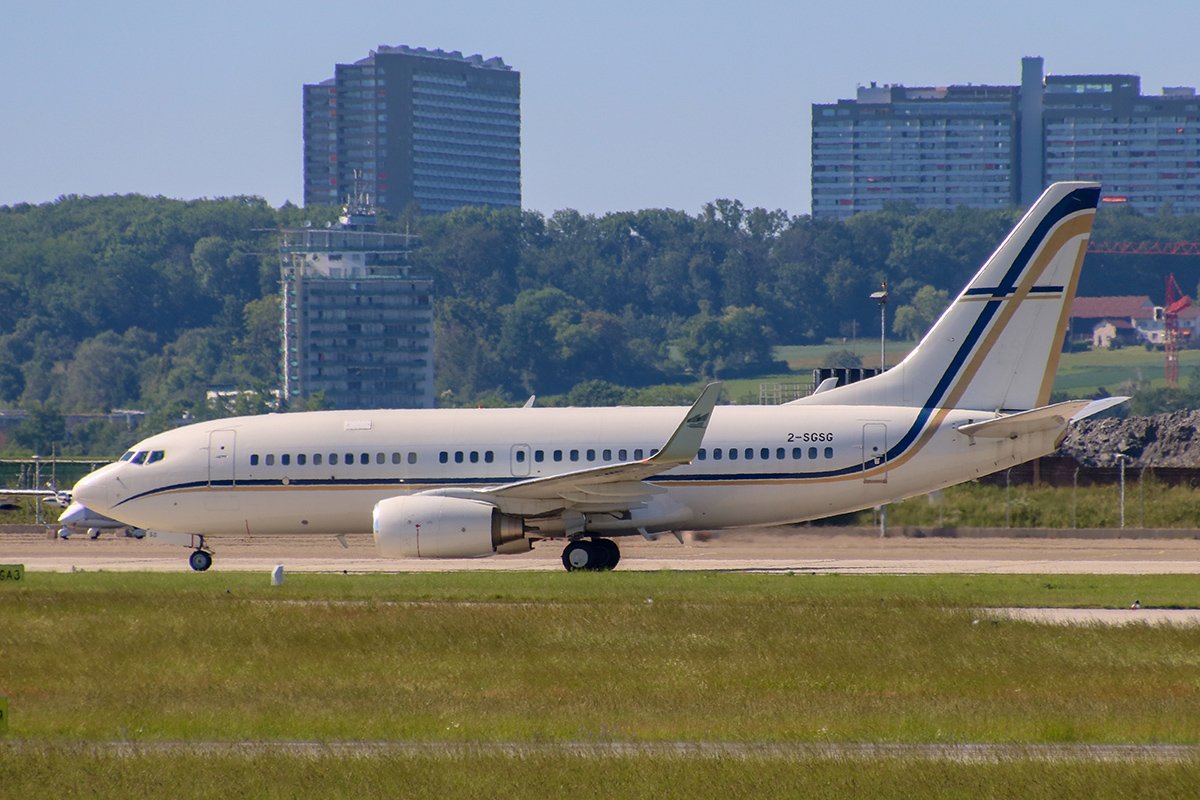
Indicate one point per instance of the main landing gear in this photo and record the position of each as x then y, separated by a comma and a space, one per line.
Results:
593, 555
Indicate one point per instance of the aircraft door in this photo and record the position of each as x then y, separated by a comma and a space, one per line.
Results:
221, 445
520, 460
874, 444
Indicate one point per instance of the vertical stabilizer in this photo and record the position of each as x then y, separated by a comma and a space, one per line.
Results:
996, 347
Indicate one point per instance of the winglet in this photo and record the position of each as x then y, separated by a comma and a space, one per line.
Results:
684, 443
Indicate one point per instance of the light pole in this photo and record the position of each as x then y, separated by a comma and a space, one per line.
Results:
881, 297
1121, 459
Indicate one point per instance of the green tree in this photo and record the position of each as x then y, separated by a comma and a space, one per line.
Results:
44, 431
106, 371
841, 359
597, 393
259, 348
914, 319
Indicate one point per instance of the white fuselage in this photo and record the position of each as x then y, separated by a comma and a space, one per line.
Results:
323, 472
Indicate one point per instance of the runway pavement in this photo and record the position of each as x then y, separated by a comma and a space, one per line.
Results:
804, 550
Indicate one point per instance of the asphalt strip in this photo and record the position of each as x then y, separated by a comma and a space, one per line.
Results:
1099, 616
847, 751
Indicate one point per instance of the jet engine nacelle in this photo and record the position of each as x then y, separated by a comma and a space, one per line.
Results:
431, 526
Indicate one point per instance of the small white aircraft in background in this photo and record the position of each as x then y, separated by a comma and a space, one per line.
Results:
75, 517
971, 399
78, 517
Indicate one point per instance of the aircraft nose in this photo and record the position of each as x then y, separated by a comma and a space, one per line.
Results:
73, 515
92, 491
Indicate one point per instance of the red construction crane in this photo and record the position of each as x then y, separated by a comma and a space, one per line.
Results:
1176, 301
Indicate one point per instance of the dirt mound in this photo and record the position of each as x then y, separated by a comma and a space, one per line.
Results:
1164, 440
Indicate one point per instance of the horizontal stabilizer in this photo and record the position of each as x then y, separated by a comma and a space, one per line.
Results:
1096, 406
1038, 419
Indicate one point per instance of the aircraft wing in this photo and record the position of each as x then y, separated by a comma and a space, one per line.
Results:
1038, 419
614, 486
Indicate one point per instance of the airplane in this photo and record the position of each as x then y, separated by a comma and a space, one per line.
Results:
78, 517
972, 398
75, 516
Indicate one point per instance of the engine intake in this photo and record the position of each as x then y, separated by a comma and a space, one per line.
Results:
431, 526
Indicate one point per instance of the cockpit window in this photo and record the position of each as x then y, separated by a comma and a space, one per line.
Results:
140, 457
155, 455
128, 455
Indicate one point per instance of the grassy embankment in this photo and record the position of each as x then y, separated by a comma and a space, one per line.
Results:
584, 658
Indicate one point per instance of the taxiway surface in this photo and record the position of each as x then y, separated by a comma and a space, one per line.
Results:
775, 550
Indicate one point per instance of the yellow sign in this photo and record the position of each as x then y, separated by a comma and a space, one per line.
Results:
12, 573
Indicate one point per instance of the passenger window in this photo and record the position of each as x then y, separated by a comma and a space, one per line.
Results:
749, 453
765, 453
474, 456
489, 457
316, 459
701, 455
254, 460
797, 453
539, 456
608, 455
285, 459
412, 458
443, 457
574, 455
349, 459
333, 459
780, 453
395, 458
380, 457
653, 451
302, 459
270, 459
558, 455
364, 458
717, 454
520, 456
637, 454
591, 455
733, 454
829, 452
458, 457
622, 454
812, 452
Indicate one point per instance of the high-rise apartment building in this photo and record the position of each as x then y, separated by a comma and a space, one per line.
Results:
357, 325
996, 146
429, 128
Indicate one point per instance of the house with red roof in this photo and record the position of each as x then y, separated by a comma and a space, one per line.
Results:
1125, 320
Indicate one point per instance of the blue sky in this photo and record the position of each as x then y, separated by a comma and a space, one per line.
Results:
625, 104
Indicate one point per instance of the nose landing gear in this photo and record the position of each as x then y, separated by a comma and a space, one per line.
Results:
200, 560
594, 555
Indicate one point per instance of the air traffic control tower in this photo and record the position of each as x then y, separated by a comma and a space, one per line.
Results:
357, 325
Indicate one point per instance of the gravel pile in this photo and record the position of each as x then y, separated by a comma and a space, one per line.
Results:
1164, 440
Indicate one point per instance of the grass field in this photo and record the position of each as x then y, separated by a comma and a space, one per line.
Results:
56, 774
544, 658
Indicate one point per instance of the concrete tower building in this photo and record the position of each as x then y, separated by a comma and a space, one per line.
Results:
429, 128
357, 325
996, 146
